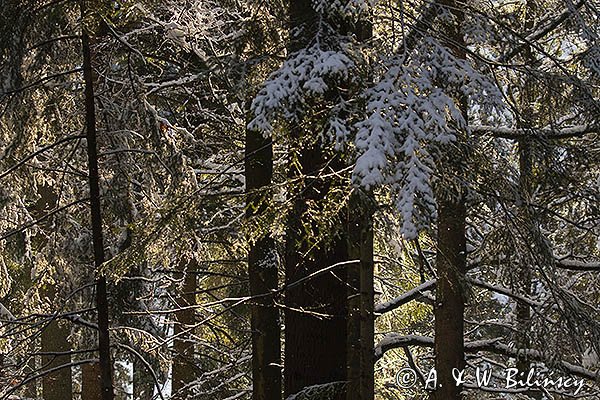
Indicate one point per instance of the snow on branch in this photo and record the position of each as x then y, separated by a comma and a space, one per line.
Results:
395, 340
343, 7
576, 265
327, 390
304, 74
411, 114
550, 133
425, 288
405, 298
495, 346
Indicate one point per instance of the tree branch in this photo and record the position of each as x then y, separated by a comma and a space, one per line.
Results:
395, 340
38, 152
549, 133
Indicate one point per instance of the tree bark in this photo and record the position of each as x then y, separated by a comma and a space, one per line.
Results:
315, 313
105, 365
361, 296
54, 336
263, 273
360, 355
525, 211
449, 304
57, 385
184, 367
90, 379
524, 273
451, 244
316, 310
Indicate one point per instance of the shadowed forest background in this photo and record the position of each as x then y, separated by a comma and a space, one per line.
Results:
298, 200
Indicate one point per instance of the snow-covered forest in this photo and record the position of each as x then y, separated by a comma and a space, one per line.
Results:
299, 199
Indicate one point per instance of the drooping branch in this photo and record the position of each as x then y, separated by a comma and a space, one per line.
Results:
146, 365
38, 152
542, 31
41, 219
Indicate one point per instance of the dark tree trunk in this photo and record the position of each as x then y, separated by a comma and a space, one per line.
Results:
524, 273
360, 357
57, 385
184, 367
451, 244
106, 382
530, 232
263, 273
315, 313
449, 304
90, 379
316, 310
360, 306
55, 347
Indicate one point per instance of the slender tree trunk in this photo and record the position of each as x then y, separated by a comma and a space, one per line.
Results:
361, 321
367, 316
263, 273
524, 271
184, 367
360, 357
106, 381
451, 246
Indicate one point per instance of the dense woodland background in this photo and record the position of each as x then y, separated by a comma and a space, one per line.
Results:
236, 199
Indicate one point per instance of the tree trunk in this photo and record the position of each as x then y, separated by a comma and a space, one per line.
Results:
263, 273
451, 245
90, 379
55, 347
525, 211
315, 313
360, 323
57, 385
184, 367
449, 304
524, 275
106, 382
